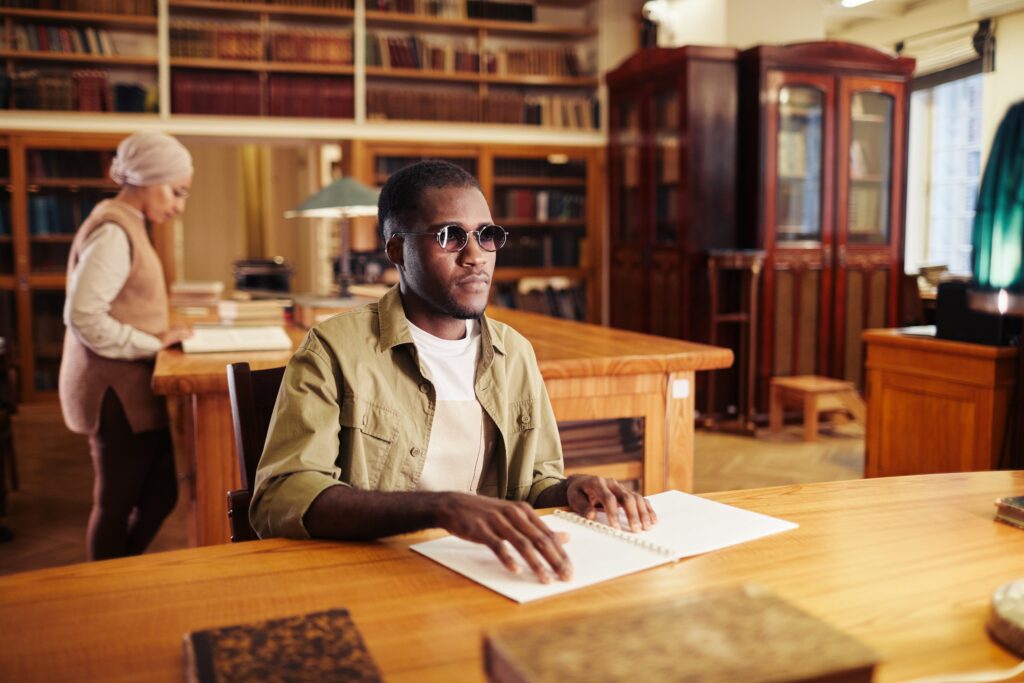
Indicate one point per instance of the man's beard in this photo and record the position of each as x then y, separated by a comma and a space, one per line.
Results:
449, 306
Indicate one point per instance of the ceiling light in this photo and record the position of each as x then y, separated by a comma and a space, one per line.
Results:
854, 3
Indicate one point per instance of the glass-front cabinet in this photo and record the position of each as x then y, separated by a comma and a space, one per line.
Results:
824, 156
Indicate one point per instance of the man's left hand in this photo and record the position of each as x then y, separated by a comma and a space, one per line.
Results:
587, 494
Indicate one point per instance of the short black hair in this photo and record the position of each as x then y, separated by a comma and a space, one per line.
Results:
400, 196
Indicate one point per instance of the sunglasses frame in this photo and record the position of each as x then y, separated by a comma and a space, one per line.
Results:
476, 233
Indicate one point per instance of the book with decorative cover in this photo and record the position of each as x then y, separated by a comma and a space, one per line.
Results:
320, 646
739, 634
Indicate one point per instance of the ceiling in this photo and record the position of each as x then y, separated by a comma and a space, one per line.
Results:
838, 18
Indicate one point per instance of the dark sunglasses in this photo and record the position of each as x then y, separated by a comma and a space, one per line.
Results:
454, 238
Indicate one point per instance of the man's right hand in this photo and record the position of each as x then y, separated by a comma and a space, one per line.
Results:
492, 522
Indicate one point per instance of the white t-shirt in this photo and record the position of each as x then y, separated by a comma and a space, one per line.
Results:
462, 436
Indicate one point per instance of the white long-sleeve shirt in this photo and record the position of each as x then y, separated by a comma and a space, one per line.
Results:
104, 264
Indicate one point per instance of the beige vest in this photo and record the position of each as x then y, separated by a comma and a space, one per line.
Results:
142, 303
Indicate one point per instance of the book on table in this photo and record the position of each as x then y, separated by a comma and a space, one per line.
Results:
687, 525
221, 339
319, 646
743, 633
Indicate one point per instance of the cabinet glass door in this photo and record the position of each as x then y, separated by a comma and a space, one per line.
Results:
799, 171
870, 168
666, 167
627, 139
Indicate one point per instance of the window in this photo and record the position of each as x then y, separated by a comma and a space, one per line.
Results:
944, 173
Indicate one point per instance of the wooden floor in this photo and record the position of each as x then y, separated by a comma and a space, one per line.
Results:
49, 513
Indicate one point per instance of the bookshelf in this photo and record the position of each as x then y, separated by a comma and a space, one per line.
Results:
549, 199
51, 182
87, 56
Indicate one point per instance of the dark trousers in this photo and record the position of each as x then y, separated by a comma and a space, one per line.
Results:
135, 487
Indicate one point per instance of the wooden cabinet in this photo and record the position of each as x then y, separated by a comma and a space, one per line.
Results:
549, 199
672, 180
823, 129
935, 405
54, 181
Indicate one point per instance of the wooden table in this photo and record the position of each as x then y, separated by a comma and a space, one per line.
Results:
591, 372
935, 405
907, 565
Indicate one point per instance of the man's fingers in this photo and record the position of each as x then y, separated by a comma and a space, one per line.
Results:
650, 511
628, 503
611, 508
544, 540
500, 549
526, 549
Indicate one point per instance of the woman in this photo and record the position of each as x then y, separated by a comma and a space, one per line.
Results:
116, 318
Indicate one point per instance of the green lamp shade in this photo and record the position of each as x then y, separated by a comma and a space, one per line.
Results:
344, 198
998, 237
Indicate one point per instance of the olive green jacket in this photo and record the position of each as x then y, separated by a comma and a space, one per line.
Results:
355, 408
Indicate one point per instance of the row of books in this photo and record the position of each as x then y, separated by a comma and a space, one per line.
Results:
556, 111
5, 214
458, 9
533, 247
500, 11
541, 205
63, 39
140, 7
241, 94
195, 293
68, 163
59, 215
555, 298
386, 165
206, 40
413, 52
539, 168
77, 90
49, 257
315, 4
315, 46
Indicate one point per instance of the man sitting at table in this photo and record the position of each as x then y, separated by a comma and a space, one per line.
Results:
393, 415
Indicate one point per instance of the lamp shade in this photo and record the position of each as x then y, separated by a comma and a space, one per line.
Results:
998, 238
343, 198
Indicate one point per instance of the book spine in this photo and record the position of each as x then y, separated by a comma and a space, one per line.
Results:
607, 530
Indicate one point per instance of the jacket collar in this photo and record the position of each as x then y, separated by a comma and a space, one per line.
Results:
394, 326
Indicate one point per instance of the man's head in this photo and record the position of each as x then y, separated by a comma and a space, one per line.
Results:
416, 204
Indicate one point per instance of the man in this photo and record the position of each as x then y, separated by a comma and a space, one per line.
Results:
419, 411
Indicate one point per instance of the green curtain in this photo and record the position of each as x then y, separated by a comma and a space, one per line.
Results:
998, 237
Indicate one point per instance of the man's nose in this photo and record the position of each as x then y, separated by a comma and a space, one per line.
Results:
473, 253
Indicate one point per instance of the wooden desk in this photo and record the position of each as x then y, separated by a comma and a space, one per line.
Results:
590, 372
935, 405
907, 565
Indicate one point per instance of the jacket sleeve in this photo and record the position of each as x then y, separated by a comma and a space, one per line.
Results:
300, 455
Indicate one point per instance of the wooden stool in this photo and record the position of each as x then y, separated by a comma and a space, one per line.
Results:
816, 395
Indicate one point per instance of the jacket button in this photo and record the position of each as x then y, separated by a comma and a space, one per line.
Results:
416, 452
425, 388
524, 419
366, 418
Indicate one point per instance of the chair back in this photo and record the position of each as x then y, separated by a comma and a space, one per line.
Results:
253, 394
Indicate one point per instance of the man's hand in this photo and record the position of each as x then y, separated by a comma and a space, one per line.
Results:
492, 522
587, 494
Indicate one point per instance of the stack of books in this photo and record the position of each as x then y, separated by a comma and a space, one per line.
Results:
196, 294
258, 312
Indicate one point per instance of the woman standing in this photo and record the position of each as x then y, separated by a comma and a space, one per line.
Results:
117, 320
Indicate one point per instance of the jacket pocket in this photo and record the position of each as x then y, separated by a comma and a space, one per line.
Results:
522, 416
368, 433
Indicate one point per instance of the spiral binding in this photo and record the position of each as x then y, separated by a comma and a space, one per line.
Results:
625, 536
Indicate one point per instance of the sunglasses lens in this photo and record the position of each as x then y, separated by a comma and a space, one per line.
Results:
452, 238
492, 237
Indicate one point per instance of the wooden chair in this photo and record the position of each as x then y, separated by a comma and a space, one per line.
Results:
816, 395
252, 394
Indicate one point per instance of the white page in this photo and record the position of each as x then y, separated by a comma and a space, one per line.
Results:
687, 525
220, 339
690, 525
595, 557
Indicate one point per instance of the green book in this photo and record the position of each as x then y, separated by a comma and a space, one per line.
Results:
319, 646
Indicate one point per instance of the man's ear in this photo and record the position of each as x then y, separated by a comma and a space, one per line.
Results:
394, 250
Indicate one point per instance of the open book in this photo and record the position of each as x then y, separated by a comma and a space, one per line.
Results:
687, 525
221, 339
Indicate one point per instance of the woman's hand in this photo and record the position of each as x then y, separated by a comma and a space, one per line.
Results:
173, 336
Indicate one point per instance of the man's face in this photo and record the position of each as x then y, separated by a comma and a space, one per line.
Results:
451, 283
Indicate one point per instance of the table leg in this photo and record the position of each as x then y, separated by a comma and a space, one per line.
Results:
810, 417
775, 410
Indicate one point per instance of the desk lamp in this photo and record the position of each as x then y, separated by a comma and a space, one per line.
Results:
343, 199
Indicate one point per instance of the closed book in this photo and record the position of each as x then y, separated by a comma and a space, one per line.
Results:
320, 646
739, 634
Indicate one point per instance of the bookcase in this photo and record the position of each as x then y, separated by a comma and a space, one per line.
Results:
51, 183
262, 59
524, 63
79, 55
550, 201
823, 131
